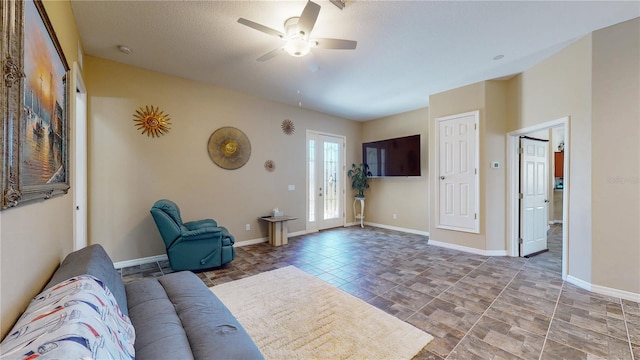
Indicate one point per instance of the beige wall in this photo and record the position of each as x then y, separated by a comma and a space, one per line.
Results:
457, 101
493, 148
35, 237
616, 157
129, 171
407, 197
557, 87
490, 98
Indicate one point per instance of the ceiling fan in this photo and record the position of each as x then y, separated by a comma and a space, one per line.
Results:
297, 31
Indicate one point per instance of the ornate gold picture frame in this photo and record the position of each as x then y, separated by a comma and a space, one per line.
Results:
35, 87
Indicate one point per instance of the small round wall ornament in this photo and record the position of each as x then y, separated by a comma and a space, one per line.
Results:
288, 127
270, 165
152, 121
229, 148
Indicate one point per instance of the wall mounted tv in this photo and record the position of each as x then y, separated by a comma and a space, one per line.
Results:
393, 157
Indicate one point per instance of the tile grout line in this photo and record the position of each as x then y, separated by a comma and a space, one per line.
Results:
546, 336
626, 326
443, 291
487, 309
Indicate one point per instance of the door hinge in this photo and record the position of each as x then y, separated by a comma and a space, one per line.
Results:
475, 126
520, 150
475, 216
521, 196
476, 171
521, 241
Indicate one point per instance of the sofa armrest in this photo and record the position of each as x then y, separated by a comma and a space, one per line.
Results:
92, 260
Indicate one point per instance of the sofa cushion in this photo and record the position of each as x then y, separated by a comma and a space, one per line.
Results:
76, 319
177, 309
92, 260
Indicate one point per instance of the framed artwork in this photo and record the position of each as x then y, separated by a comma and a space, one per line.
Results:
34, 99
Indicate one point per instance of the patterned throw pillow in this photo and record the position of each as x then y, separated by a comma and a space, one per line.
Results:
78, 318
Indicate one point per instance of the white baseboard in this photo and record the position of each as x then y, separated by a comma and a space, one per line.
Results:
551, 222
250, 242
468, 249
603, 290
140, 261
396, 228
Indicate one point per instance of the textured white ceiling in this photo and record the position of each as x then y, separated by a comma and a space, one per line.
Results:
407, 50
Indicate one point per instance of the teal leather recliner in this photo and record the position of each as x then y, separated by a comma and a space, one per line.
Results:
194, 245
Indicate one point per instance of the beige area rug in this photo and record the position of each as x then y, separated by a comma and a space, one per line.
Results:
293, 315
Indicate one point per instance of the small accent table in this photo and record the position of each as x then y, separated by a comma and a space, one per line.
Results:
359, 216
278, 230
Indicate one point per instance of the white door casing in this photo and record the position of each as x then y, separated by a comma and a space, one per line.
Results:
325, 179
458, 178
79, 177
534, 167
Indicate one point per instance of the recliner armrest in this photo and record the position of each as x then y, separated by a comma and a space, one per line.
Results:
227, 235
202, 234
199, 224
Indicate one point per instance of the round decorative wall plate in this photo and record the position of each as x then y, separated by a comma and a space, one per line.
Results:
229, 148
152, 121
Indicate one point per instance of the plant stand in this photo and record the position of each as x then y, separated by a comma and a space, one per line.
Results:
359, 216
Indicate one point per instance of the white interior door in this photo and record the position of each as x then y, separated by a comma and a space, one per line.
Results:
80, 165
325, 155
534, 165
458, 172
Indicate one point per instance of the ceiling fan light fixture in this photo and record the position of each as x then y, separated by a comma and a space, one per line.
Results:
297, 47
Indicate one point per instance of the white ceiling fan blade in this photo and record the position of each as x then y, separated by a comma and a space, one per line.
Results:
335, 44
260, 27
271, 54
308, 19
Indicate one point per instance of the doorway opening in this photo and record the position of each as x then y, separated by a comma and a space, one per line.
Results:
560, 127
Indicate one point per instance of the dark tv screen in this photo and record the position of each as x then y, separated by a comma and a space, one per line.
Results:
393, 157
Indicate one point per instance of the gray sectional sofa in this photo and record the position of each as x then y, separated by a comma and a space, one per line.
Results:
174, 316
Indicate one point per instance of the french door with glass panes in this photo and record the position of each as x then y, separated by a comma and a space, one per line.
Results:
325, 178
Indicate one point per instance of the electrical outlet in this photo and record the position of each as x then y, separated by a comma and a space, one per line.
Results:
247, 227
395, 216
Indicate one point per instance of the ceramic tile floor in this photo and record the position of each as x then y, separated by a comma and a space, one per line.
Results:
476, 307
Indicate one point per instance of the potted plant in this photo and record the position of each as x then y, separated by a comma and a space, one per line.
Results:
359, 178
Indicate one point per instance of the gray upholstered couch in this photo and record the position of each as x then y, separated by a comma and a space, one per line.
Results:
174, 316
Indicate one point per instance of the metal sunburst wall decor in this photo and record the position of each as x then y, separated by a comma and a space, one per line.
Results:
270, 165
288, 127
152, 121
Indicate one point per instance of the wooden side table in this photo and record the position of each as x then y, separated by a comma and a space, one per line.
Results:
278, 229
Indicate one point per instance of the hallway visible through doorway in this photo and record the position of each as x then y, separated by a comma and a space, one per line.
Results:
550, 260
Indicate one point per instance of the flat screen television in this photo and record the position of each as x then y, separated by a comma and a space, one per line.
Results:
393, 157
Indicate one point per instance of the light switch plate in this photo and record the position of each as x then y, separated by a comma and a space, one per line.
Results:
495, 165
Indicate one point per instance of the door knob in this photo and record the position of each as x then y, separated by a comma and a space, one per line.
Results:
546, 200
441, 177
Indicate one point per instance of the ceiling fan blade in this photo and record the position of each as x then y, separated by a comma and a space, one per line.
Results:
271, 54
260, 27
335, 44
308, 19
